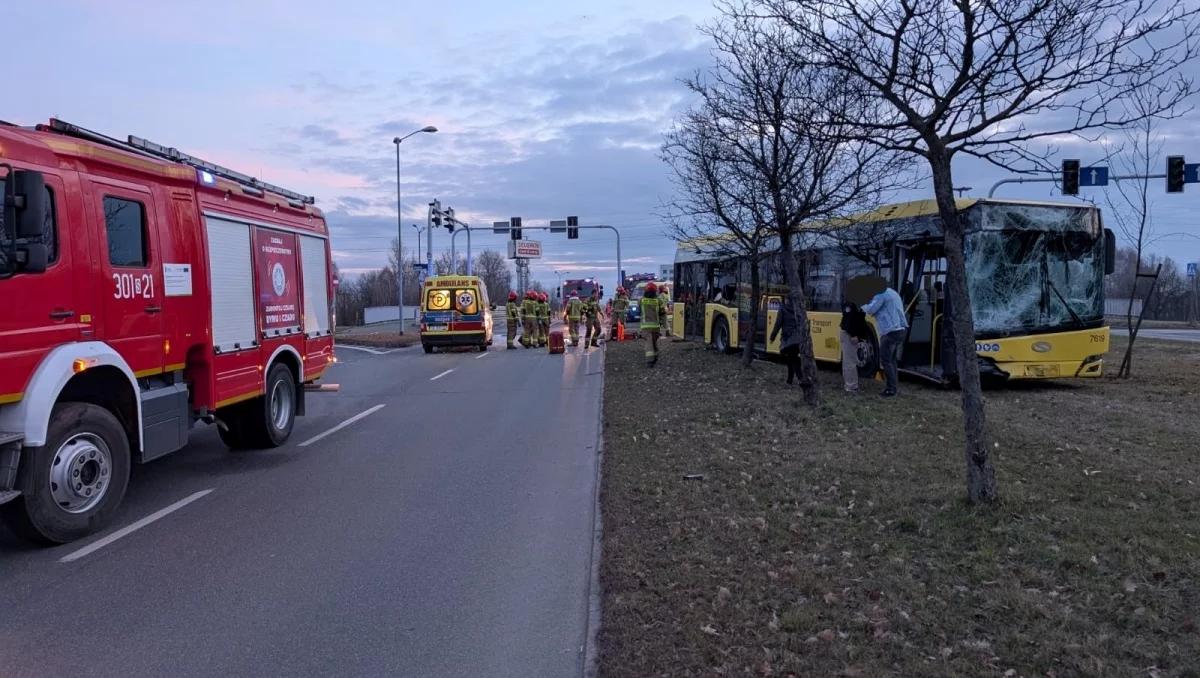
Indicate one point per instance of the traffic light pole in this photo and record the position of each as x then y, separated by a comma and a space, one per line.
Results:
1055, 179
539, 228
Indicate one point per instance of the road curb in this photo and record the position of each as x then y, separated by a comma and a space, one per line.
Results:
590, 665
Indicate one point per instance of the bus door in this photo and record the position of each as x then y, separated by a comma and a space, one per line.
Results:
923, 272
768, 312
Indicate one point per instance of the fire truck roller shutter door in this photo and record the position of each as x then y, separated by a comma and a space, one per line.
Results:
316, 290
232, 280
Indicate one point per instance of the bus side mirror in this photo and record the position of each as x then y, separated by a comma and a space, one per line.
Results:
27, 196
1110, 251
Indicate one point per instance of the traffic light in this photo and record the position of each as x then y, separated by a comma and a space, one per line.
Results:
1175, 174
1070, 177
514, 228
435, 213
449, 222
572, 228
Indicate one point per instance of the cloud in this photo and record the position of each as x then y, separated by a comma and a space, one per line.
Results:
322, 135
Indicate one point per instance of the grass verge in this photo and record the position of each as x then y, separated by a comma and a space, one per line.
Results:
379, 339
747, 535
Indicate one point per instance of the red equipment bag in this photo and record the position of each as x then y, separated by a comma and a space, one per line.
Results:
557, 345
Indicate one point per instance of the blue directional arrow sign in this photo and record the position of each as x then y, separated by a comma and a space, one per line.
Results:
1191, 270
1191, 173
1093, 176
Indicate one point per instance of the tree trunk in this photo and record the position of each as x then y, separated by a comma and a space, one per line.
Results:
748, 341
981, 476
796, 297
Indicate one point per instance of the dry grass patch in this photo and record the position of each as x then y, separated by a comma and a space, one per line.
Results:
747, 535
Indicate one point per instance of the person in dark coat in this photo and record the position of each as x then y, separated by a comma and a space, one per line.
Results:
854, 328
789, 347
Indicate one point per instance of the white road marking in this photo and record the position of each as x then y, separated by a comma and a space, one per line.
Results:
373, 351
126, 531
482, 355
342, 425
441, 375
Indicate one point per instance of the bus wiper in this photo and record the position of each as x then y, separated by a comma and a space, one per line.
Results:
1074, 316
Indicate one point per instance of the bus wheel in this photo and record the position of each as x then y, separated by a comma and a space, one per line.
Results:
268, 420
868, 358
720, 335
427, 347
72, 485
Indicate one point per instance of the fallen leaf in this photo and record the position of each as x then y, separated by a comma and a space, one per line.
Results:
826, 635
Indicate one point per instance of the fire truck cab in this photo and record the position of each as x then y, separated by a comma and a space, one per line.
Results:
142, 291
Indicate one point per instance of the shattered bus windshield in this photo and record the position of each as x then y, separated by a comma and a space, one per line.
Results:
1034, 268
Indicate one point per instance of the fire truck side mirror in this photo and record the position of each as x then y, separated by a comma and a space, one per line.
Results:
29, 199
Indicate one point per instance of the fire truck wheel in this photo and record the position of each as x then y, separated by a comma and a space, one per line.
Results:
269, 419
483, 347
427, 347
72, 485
233, 434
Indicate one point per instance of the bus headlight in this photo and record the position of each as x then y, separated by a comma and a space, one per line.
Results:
1042, 346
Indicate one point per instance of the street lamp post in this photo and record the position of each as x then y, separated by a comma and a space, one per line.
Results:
400, 226
419, 232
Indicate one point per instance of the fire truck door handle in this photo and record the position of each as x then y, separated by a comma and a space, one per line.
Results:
153, 309
61, 315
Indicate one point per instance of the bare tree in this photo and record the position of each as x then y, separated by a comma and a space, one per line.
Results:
804, 165
986, 80
710, 212
497, 275
1130, 204
412, 288
442, 265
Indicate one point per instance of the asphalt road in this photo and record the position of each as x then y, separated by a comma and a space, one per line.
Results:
447, 533
1169, 335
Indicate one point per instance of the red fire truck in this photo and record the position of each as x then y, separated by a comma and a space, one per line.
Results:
143, 290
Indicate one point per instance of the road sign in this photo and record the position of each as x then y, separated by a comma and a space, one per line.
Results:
1191, 173
500, 227
421, 275
1191, 270
524, 249
558, 226
1093, 176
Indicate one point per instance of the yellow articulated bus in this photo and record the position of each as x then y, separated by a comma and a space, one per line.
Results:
1035, 274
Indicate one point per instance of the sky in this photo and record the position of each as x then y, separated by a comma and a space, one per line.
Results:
544, 109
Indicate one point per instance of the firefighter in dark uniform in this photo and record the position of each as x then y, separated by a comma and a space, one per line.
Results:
529, 311
654, 312
620, 306
543, 318
592, 310
512, 314
574, 313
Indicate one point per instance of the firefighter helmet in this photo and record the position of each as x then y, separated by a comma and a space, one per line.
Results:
652, 288
544, 296
512, 296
